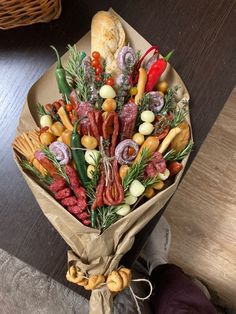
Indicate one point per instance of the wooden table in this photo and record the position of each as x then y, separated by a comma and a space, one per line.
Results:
202, 33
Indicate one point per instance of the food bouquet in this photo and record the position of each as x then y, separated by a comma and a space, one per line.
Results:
106, 154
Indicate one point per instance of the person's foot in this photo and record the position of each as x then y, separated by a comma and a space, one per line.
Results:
156, 250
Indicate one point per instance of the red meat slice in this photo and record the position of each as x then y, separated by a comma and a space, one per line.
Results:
69, 201
57, 185
156, 165
60, 195
128, 118
75, 209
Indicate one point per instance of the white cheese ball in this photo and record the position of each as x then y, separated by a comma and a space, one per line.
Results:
46, 120
165, 175
90, 171
136, 188
91, 156
146, 128
130, 199
123, 210
106, 91
147, 116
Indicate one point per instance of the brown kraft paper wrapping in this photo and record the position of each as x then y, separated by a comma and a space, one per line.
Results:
92, 252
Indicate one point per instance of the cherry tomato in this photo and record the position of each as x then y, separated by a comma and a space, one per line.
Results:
175, 167
98, 78
95, 63
96, 55
69, 107
98, 70
110, 81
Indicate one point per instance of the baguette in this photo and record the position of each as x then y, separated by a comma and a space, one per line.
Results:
107, 37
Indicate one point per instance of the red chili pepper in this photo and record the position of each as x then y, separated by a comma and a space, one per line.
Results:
134, 74
174, 168
156, 71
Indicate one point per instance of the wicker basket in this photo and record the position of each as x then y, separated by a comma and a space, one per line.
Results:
15, 13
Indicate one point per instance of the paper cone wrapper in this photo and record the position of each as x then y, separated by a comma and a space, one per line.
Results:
92, 252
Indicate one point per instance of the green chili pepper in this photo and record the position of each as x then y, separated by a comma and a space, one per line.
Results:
62, 83
78, 155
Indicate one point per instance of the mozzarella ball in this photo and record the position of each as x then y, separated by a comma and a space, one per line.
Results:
45, 120
138, 138
91, 156
90, 171
130, 199
136, 188
123, 210
106, 91
165, 175
147, 116
146, 128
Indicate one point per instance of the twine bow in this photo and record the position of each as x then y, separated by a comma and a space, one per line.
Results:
117, 281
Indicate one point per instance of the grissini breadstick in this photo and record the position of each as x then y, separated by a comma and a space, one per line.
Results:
167, 140
142, 79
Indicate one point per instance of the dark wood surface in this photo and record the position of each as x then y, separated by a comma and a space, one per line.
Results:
203, 36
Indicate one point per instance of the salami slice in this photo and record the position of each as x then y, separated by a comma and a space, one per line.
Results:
83, 109
128, 118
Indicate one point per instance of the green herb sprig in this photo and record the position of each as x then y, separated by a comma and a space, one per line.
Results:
41, 110
46, 180
178, 116
74, 62
169, 99
173, 155
84, 90
150, 181
52, 158
91, 187
106, 216
136, 171
142, 106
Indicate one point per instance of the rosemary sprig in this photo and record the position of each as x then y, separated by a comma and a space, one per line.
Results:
84, 91
119, 103
52, 158
178, 116
91, 188
135, 172
74, 62
169, 100
150, 181
143, 105
106, 216
172, 155
47, 179
41, 110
